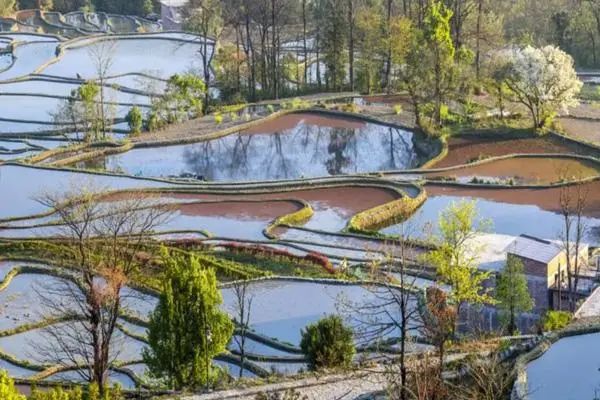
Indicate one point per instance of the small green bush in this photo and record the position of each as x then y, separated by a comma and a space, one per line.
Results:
555, 320
154, 122
7, 388
350, 108
218, 118
328, 343
398, 109
91, 392
135, 120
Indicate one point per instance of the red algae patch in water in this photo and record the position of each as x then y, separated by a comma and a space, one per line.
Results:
265, 210
351, 199
547, 199
583, 129
527, 170
462, 150
290, 121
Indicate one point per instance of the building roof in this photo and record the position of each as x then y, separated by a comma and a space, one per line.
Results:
534, 248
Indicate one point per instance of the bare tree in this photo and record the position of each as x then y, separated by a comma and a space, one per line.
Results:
102, 56
439, 322
572, 201
205, 17
393, 310
243, 299
103, 242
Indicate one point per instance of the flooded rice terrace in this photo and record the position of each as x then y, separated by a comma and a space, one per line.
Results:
302, 145
239, 186
275, 325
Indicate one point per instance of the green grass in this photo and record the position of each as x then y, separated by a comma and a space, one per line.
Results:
590, 92
277, 267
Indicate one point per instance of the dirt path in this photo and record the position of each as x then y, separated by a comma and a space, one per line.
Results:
338, 387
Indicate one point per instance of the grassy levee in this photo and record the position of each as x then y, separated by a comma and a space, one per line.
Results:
373, 219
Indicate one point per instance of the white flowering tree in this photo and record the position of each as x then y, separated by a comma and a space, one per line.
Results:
542, 79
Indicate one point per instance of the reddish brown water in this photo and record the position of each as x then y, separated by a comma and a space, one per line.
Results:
290, 121
528, 170
333, 207
240, 210
349, 199
463, 149
547, 199
586, 129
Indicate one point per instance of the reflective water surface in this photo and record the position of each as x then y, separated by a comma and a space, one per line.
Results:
294, 146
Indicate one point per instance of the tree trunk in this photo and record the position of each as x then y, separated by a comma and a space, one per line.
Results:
351, 42
274, 47
251, 57
478, 40
388, 60
304, 42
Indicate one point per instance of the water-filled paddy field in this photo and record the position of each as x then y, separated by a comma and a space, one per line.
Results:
568, 370
524, 170
293, 146
511, 211
305, 157
275, 324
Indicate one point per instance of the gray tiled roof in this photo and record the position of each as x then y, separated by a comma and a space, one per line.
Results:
534, 249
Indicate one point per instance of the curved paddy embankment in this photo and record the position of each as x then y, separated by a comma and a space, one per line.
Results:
531, 169
469, 148
275, 324
238, 212
291, 146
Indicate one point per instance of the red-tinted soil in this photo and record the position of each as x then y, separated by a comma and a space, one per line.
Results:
266, 210
289, 121
529, 170
462, 150
547, 199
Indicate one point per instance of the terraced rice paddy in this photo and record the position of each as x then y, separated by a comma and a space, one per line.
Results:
294, 146
245, 189
568, 370
275, 326
524, 170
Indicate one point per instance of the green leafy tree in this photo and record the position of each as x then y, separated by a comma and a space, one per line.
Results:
328, 343
7, 388
369, 40
89, 94
334, 42
205, 17
441, 53
457, 252
130, 7
187, 329
231, 71
512, 293
91, 392
135, 120
182, 100
555, 320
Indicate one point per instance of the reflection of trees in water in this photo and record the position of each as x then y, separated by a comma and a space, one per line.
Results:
339, 140
198, 159
306, 150
397, 144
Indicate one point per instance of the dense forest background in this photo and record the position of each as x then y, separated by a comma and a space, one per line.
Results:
573, 25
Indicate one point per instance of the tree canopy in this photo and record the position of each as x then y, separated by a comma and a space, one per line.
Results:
187, 329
